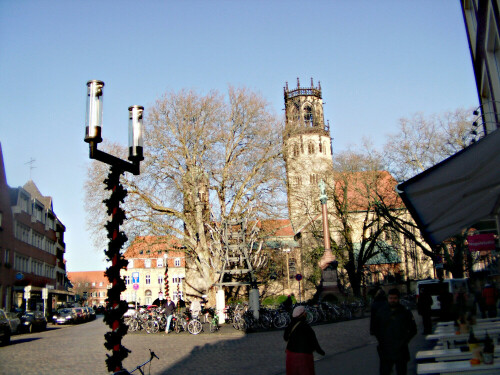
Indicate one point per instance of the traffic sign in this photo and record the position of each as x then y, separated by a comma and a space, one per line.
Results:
136, 286
135, 277
298, 277
19, 276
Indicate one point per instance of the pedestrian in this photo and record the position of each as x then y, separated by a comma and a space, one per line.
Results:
379, 300
168, 308
394, 327
301, 343
490, 296
195, 307
424, 305
445, 299
288, 304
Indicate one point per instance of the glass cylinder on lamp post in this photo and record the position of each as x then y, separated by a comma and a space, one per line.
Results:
135, 133
93, 118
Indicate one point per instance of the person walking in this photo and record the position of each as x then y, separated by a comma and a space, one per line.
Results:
394, 327
169, 308
379, 301
301, 343
424, 305
490, 296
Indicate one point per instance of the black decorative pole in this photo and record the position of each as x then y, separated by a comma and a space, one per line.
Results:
115, 308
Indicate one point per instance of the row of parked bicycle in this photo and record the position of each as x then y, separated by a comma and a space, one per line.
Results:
239, 316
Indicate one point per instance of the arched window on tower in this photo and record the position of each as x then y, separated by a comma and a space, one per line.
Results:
308, 116
320, 147
295, 149
310, 148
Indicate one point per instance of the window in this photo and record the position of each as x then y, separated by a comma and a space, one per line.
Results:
308, 116
93, 284
177, 280
310, 148
6, 256
130, 263
50, 221
313, 179
1, 216
37, 212
147, 263
23, 202
160, 279
23, 232
100, 284
86, 284
148, 279
177, 262
159, 262
295, 150
127, 280
320, 147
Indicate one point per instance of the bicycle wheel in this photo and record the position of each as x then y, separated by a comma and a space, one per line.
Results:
149, 326
279, 321
156, 327
213, 326
194, 327
133, 325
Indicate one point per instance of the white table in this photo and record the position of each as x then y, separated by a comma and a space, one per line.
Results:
450, 337
479, 326
458, 368
451, 322
440, 355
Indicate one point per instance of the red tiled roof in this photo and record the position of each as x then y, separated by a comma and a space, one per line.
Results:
276, 228
88, 276
152, 246
363, 188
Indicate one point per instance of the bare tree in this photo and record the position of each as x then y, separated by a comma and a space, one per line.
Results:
208, 158
423, 141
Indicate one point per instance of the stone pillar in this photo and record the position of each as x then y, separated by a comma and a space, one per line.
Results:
254, 302
220, 304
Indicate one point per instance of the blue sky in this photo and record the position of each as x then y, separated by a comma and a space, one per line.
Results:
377, 61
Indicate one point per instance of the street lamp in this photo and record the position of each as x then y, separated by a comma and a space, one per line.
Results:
93, 136
287, 250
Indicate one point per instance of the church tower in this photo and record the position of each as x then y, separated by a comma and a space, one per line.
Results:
307, 152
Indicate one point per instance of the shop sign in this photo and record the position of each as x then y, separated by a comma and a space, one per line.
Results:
481, 242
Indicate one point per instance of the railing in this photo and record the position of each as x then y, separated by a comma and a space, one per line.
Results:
303, 91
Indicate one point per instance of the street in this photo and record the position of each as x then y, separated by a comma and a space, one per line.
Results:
80, 349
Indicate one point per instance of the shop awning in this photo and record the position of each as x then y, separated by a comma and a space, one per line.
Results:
458, 192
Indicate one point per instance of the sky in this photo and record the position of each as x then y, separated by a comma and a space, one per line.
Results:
377, 61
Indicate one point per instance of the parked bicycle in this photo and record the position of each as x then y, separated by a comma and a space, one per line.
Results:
140, 367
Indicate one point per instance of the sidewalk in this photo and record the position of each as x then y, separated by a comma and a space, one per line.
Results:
364, 359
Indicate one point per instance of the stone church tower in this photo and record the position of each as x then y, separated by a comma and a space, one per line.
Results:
307, 152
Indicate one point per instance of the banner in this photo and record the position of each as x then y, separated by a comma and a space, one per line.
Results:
481, 242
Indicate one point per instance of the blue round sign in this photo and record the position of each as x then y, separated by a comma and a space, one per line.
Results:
19, 276
298, 277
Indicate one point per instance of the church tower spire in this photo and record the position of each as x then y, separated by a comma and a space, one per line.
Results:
307, 151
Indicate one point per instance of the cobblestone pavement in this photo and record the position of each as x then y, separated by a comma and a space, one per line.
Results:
80, 350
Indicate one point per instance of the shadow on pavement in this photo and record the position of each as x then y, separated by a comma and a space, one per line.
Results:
14, 341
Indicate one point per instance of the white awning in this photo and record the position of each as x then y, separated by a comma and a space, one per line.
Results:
458, 192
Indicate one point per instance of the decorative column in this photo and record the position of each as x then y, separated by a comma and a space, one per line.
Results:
327, 263
113, 316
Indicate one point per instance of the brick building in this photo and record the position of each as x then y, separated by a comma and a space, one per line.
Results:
90, 287
148, 257
32, 249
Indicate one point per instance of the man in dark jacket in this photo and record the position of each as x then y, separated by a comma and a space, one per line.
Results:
169, 308
424, 305
394, 327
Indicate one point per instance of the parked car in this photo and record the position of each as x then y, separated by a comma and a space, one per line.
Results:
33, 321
91, 313
65, 316
14, 320
5, 331
80, 314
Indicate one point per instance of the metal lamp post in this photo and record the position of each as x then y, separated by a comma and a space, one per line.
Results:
93, 136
